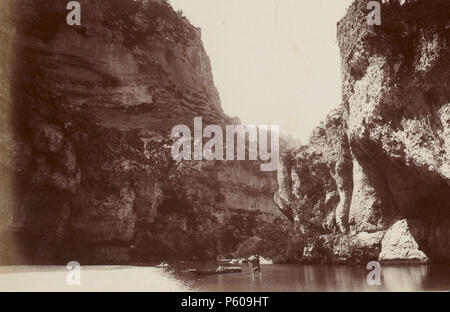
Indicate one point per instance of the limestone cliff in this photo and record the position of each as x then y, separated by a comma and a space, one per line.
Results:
374, 180
86, 168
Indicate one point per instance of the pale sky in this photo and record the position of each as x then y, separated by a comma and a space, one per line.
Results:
273, 61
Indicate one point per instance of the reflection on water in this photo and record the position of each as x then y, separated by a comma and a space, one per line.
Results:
322, 278
283, 278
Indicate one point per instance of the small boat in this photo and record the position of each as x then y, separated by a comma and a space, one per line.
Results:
219, 270
163, 265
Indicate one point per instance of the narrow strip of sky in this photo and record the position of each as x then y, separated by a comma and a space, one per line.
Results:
274, 61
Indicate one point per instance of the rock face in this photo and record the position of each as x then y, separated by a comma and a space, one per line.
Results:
380, 163
399, 244
86, 168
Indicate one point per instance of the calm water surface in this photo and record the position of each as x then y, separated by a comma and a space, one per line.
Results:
278, 278
288, 278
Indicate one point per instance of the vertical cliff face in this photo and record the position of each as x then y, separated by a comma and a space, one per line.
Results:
381, 163
87, 146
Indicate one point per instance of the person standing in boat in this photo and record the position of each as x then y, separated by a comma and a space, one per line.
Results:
255, 265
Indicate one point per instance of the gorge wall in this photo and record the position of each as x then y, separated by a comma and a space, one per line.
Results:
87, 175
374, 180
87, 111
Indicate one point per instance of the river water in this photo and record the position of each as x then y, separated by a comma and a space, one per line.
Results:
278, 278
301, 278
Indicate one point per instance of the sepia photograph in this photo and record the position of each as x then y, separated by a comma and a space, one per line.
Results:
225, 146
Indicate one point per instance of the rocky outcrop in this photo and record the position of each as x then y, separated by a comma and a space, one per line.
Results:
86, 149
399, 244
380, 163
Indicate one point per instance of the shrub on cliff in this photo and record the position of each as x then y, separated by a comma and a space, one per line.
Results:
276, 241
251, 246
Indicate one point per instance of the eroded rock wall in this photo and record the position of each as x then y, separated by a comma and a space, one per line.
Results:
380, 164
90, 109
